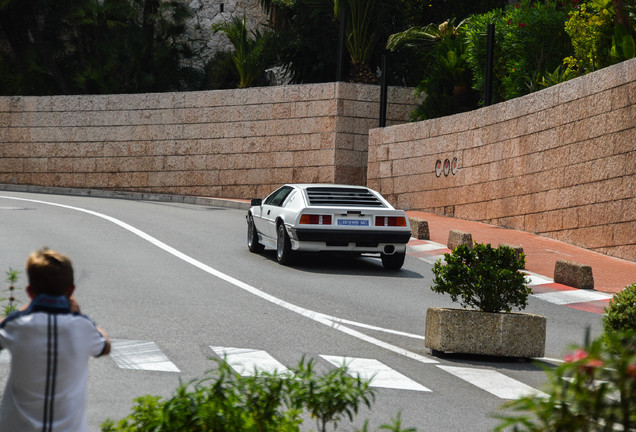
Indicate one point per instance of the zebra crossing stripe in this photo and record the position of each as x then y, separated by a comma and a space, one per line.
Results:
377, 372
246, 361
493, 382
140, 355
573, 296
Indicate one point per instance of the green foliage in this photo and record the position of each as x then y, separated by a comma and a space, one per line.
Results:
223, 400
86, 47
560, 75
308, 38
446, 83
220, 72
483, 278
12, 277
600, 35
593, 390
361, 38
523, 53
620, 315
590, 28
250, 53
423, 12
330, 396
396, 426
475, 32
306, 44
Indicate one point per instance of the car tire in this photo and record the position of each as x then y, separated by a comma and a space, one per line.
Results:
252, 237
284, 253
394, 261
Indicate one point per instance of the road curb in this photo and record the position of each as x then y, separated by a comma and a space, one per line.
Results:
135, 196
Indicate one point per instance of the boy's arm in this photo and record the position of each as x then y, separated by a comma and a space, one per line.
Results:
76, 309
106, 350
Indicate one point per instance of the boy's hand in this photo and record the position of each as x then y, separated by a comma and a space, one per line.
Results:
74, 305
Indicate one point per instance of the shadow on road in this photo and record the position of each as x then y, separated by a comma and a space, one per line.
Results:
345, 264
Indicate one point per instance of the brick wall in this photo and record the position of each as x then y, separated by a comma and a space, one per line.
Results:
560, 162
224, 144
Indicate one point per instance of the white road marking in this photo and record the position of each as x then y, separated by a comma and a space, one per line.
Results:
377, 372
425, 247
573, 296
432, 260
5, 356
537, 279
493, 382
327, 320
140, 355
246, 361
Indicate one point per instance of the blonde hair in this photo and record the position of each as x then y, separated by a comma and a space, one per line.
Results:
49, 272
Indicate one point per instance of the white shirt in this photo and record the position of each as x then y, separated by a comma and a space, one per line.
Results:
50, 348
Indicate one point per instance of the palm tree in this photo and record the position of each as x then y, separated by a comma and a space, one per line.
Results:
448, 79
249, 53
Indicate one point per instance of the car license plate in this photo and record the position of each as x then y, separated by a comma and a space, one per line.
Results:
353, 222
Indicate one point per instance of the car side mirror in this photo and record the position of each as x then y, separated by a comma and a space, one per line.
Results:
256, 202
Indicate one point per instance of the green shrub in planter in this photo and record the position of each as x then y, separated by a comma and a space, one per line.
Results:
620, 315
483, 278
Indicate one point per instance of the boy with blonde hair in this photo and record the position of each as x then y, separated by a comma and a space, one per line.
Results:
50, 344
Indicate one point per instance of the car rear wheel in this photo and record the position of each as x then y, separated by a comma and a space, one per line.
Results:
394, 261
284, 252
252, 237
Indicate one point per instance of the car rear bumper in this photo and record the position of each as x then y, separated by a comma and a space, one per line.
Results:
370, 238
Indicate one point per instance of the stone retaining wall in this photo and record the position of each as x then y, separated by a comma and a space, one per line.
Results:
224, 144
560, 162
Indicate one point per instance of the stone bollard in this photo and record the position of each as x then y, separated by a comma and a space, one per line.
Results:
456, 238
518, 250
419, 229
573, 274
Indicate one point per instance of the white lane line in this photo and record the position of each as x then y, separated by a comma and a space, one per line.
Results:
247, 361
380, 329
327, 320
493, 382
377, 372
572, 296
140, 355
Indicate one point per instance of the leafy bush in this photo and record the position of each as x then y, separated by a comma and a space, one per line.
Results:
223, 400
620, 315
447, 82
590, 29
523, 53
593, 390
484, 278
599, 38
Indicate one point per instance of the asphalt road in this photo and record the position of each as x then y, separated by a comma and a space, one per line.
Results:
169, 281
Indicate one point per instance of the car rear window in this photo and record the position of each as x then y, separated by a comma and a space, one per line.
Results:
358, 197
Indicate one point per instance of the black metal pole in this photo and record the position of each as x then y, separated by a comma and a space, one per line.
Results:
341, 41
383, 93
490, 60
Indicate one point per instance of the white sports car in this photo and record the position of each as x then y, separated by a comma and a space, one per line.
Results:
328, 218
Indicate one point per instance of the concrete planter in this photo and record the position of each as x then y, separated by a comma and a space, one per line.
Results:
474, 332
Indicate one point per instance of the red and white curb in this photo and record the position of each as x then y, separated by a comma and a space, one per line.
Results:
543, 287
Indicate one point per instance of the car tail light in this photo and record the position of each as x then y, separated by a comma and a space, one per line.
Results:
310, 219
390, 221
